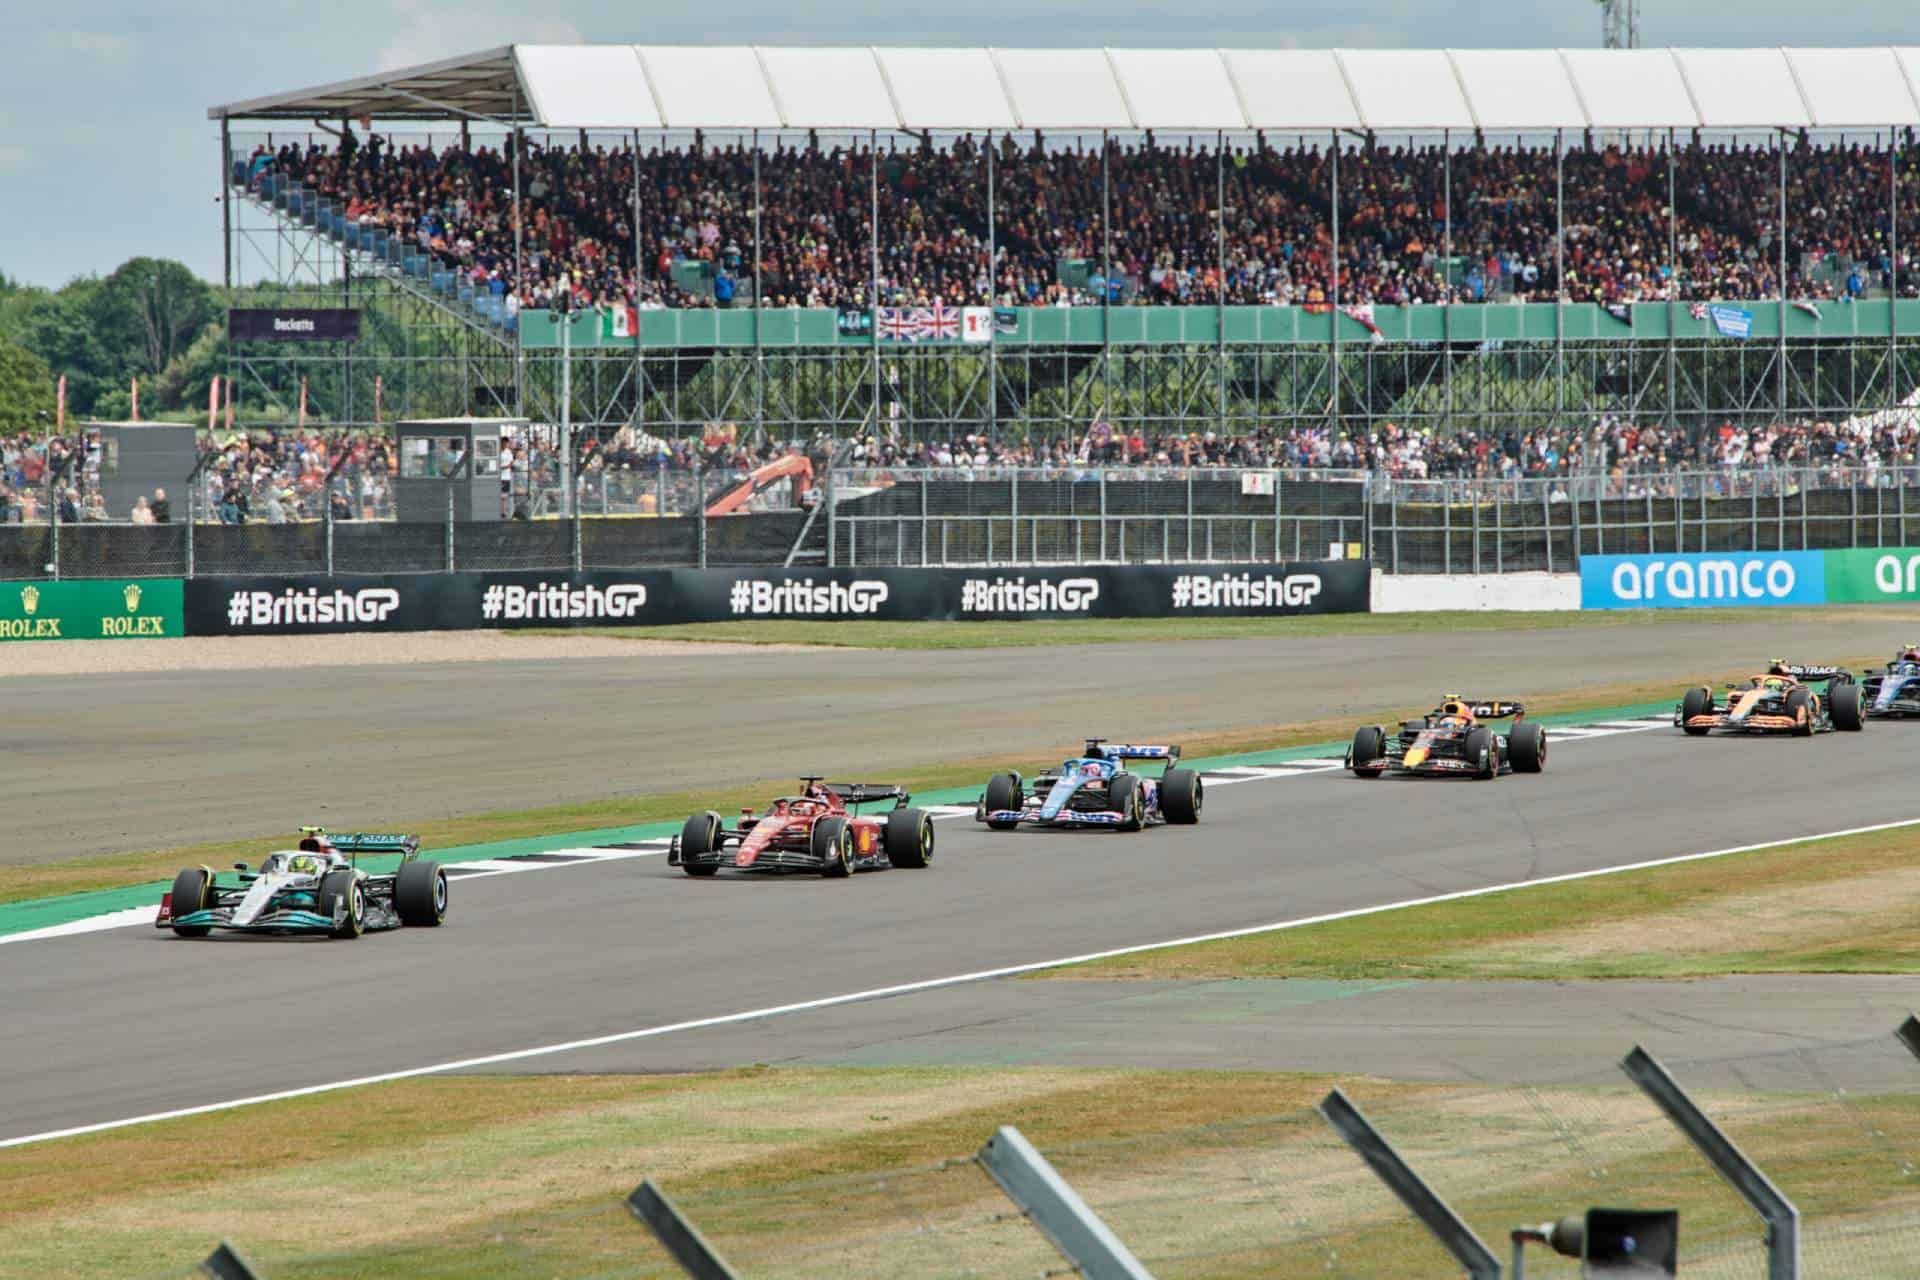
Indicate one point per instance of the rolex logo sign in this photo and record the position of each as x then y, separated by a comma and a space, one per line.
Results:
30, 600
132, 597
91, 609
26, 623
134, 623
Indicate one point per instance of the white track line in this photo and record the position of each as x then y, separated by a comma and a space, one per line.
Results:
483, 868
930, 984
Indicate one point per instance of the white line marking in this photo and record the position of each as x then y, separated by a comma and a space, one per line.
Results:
482, 868
929, 984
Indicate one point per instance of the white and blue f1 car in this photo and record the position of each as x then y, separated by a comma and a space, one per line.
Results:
318, 888
1894, 691
1096, 789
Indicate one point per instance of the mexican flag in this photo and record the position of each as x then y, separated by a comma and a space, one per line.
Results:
620, 321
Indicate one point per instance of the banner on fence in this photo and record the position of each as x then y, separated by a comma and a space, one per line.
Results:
96, 609
1873, 575
1703, 581
462, 601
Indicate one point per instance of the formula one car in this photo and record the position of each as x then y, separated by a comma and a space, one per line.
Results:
316, 888
1452, 741
1893, 692
1780, 699
1095, 789
819, 830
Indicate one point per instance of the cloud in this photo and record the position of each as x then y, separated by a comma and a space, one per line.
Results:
15, 161
428, 35
112, 50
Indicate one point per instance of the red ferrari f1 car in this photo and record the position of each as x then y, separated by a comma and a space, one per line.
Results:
820, 830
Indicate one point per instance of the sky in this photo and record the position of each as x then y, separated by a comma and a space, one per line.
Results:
106, 151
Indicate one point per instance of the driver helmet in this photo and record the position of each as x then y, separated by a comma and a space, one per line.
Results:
304, 863
1774, 683
1092, 769
1910, 653
1455, 714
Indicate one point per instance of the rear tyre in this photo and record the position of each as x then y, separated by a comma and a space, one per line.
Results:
420, 894
343, 888
1697, 702
1800, 707
192, 890
1003, 794
1527, 748
701, 834
1484, 750
1843, 704
1124, 797
908, 838
832, 843
1181, 795
1369, 752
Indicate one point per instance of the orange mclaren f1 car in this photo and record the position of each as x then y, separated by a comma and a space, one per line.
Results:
1781, 699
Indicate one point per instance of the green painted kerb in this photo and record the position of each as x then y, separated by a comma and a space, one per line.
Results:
43, 913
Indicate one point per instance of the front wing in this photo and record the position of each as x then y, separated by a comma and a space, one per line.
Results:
772, 858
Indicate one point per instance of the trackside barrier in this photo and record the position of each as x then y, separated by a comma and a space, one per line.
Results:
1866, 575
225, 1263
1057, 1209
676, 1234
1909, 1035
95, 609
1477, 593
1731, 1163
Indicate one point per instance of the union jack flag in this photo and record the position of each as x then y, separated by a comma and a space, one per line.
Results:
936, 323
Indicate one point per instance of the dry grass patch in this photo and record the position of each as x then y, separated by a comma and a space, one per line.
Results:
1822, 906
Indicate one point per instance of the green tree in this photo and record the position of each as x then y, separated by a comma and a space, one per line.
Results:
148, 312
26, 388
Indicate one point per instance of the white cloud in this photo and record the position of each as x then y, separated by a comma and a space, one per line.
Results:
429, 36
109, 50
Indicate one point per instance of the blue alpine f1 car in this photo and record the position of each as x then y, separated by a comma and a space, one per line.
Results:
1096, 789
1893, 692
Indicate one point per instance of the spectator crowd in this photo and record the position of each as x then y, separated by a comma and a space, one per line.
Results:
696, 216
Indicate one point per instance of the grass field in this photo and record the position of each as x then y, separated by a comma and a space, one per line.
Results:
1068, 631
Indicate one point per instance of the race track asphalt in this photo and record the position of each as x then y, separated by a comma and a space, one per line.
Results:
133, 1021
102, 762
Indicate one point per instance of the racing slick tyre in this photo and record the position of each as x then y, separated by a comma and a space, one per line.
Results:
700, 835
1527, 748
420, 894
344, 887
191, 890
1181, 795
1800, 707
1003, 794
1124, 797
909, 838
832, 843
1369, 744
1697, 702
1843, 704
1484, 748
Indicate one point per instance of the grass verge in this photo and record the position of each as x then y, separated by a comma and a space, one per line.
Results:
859, 1172
1842, 905
1070, 631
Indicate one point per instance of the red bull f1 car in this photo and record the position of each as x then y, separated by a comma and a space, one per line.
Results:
1096, 789
1781, 699
318, 888
819, 830
1452, 741
1893, 693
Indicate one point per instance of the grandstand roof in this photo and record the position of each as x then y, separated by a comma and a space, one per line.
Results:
765, 87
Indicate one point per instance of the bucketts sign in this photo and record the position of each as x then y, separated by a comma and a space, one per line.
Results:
90, 610
1703, 580
293, 324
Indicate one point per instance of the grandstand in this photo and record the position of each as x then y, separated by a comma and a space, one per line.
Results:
1523, 239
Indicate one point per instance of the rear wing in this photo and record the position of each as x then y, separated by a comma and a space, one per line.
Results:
852, 793
1132, 751
1806, 673
358, 842
1484, 708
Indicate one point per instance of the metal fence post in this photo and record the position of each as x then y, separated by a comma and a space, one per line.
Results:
192, 485
1189, 554
1013, 515
1476, 526
679, 1237
1054, 1207
833, 523
326, 516
700, 515
53, 554
225, 1263
1454, 1235
1778, 1212
1103, 515
577, 518
449, 526
923, 519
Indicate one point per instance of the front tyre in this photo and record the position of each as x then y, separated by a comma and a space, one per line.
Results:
700, 835
192, 891
1843, 704
1003, 796
832, 843
1181, 795
1697, 702
1123, 798
1527, 748
343, 898
1800, 707
1367, 758
908, 838
420, 894
1484, 750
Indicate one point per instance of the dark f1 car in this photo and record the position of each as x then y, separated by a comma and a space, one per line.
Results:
1894, 692
317, 888
1095, 789
1781, 699
819, 830
1452, 741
